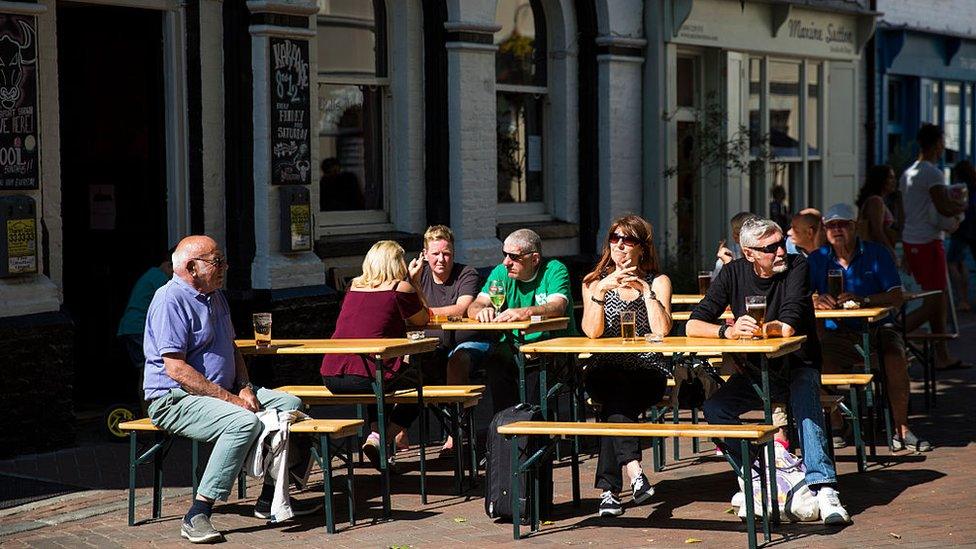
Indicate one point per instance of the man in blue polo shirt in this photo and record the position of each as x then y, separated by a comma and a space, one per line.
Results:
870, 280
196, 381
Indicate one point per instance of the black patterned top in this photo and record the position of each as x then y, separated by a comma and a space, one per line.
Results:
613, 305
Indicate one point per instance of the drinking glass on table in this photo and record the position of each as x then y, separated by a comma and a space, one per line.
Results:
628, 326
756, 308
496, 292
835, 283
262, 330
704, 281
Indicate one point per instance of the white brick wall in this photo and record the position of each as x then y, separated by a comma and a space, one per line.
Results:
942, 16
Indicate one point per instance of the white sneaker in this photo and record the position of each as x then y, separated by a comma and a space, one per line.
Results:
738, 500
831, 510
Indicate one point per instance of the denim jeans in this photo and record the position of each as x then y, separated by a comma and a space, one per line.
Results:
232, 429
803, 392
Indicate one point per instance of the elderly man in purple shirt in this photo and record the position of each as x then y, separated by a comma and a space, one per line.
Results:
197, 384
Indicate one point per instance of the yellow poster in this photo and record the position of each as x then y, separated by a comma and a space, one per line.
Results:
21, 246
301, 228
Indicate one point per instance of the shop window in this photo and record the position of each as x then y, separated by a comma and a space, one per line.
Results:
931, 101
687, 90
895, 112
755, 105
352, 93
812, 120
953, 121
520, 74
784, 108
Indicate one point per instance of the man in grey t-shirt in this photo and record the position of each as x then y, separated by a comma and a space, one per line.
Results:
449, 288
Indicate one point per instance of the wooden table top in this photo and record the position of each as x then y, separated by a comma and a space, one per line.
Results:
872, 314
760, 433
379, 348
524, 326
772, 347
686, 299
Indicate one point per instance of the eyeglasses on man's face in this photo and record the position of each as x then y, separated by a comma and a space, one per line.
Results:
631, 241
769, 248
217, 262
514, 256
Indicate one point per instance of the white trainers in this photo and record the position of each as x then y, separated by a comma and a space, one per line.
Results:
831, 510
738, 500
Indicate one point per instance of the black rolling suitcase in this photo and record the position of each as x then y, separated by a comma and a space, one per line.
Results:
498, 502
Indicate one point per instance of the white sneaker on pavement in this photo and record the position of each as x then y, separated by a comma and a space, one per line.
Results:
831, 510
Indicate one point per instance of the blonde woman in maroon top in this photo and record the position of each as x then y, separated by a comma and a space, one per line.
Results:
379, 303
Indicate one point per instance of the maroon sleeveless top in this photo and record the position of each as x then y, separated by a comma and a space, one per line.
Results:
370, 315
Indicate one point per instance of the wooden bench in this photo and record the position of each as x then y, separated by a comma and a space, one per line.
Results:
746, 434
327, 429
856, 383
927, 356
458, 397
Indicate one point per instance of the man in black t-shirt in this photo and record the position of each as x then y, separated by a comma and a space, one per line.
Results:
767, 270
449, 288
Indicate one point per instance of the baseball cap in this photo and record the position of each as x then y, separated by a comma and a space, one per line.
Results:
840, 212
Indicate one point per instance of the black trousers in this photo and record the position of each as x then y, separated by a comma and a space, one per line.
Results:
399, 414
623, 394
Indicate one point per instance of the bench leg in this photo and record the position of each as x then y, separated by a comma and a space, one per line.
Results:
771, 445
327, 483
157, 496
514, 488
695, 447
675, 413
423, 445
746, 473
364, 431
350, 478
132, 478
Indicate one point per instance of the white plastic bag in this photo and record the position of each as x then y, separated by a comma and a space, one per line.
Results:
796, 502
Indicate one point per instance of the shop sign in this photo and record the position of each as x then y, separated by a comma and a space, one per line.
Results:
21, 246
301, 227
18, 102
749, 27
291, 153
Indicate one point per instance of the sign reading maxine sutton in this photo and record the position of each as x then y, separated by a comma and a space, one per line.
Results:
291, 154
18, 102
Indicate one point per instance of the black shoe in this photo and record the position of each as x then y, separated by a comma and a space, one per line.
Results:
642, 489
199, 530
610, 505
299, 507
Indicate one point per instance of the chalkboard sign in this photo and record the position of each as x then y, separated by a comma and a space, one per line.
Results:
18, 102
291, 153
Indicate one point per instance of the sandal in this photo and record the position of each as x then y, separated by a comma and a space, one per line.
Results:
910, 442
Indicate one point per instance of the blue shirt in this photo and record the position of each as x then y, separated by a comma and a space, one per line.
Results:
182, 320
134, 319
871, 271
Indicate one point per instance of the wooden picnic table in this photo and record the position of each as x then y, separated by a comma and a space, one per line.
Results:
372, 350
869, 314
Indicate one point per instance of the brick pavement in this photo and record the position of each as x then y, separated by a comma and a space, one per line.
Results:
914, 500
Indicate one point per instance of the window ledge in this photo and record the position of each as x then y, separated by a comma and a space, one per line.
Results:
545, 229
358, 244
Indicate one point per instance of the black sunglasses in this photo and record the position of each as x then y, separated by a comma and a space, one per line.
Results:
628, 240
515, 257
216, 263
771, 248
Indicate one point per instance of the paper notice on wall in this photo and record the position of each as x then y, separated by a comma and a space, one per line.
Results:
534, 159
101, 207
301, 228
21, 246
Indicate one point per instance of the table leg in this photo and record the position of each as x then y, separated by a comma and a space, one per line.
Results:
350, 479
869, 390
327, 483
544, 387
883, 393
423, 429
746, 474
577, 399
771, 445
520, 364
514, 488
381, 428
858, 440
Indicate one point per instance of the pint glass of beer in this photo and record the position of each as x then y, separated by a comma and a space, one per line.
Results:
756, 308
262, 330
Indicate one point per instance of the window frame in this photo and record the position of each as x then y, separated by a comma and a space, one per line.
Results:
510, 212
333, 222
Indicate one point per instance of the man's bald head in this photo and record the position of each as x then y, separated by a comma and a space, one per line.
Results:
813, 211
199, 261
806, 230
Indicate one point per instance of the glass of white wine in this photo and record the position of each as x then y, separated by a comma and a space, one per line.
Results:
496, 291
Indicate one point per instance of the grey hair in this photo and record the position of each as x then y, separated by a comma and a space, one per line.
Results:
527, 240
755, 229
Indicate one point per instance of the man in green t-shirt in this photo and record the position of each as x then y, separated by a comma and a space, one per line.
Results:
532, 286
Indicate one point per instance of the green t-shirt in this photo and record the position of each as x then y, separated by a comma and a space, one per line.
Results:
134, 319
552, 279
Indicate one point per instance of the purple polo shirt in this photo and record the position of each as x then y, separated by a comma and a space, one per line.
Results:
182, 320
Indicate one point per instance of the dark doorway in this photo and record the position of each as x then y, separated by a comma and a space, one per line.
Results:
113, 180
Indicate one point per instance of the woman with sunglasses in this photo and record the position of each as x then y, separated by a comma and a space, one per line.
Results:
625, 279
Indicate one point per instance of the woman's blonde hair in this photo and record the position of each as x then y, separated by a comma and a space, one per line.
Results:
383, 263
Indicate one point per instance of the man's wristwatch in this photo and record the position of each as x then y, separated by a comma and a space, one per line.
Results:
250, 386
721, 331
866, 300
